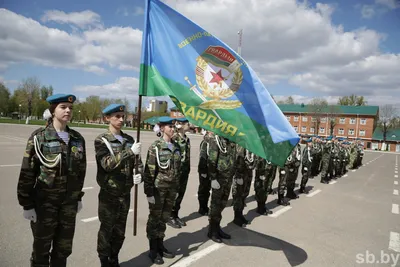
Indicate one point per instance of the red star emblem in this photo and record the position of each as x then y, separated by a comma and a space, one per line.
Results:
217, 77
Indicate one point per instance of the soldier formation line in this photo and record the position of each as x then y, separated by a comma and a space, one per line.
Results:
54, 168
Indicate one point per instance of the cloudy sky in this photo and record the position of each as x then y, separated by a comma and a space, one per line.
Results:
303, 49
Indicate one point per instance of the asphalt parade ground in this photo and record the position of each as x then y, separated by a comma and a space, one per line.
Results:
353, 221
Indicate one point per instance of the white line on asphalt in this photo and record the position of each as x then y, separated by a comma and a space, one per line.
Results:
11, 165
91, 219
195, 257
279, 212
396, 176
396, 183
353, 170
332, 182
394, 242
395, 192
87, 188
395, 209
345, 175
314, 193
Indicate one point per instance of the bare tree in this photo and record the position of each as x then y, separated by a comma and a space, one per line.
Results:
30, 88
316, 109
352, 100
289, 100
332, 112
387, 115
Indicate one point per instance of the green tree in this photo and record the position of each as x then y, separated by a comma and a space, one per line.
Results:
4, 99
30, 92
352, 100
387, 119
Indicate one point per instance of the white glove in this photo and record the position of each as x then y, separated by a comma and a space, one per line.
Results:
204, 175
215, 185
283, 172
151, 200
136, 148
239, 181
177, 195
30, 215
137, 178
80, 206
262, 178
305, 168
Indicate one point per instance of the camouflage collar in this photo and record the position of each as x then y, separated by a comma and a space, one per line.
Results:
164, 145
51, 133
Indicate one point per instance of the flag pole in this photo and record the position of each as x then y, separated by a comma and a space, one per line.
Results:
135, 195
240, 32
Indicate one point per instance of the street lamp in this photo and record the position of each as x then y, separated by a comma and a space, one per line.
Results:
79, 117
19, 114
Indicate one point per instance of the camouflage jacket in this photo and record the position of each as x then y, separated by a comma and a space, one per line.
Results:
222, 157
184, 145
204, 147
244, 160
115, 172
307, 157
264, 167
294, 158
59, 184
163, 166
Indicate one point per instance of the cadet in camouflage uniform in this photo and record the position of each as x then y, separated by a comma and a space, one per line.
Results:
161, 178
182, 126
246, 162
50, 184
203, 193
353, 155
265, 174
335, 158
221, 168
292, 171
346, 157
326, 161
115, 158
285, 173
307, 160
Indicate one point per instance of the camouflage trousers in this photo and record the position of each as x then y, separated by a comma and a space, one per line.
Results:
315, 165
282, 181
292, 173
219, 197
183, 180
113, 214
241, 192
160, 212
54, 228
203, 193
326, 168
262, 187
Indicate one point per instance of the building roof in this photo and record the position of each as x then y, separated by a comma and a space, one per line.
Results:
391, 135
351, 110
174, 108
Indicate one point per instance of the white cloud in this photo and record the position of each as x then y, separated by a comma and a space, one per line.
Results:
8, 82
84, 19
367, 11
26, 40
392, 4
122, 87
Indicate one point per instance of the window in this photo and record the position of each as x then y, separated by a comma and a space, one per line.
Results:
296, 128
342, 120
288, 118
362, 132
323, 119
296, 118
304, 129
313, 119
351, 131
341, 131
312, 129
363, 121
321, 129
304, 118
352, 121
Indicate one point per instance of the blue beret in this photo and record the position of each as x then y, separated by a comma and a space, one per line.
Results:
329, 138
58, 98
113, 108
340, 138
182, 119
308, 140
166, 120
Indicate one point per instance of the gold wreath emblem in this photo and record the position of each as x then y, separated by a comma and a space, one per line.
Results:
70, 99
218, 95
121, 108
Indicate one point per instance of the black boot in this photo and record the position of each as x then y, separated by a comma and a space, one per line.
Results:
291, 194
163, 251
173, 223
221, 233
261, 209
114, 261
203, 210
104, 261
238, 219
282, 200
213, 232
179, 221
58, 262
324, 180
303, 190
153, 254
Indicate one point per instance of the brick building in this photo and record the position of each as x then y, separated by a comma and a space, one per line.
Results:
175, 113
349, 121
